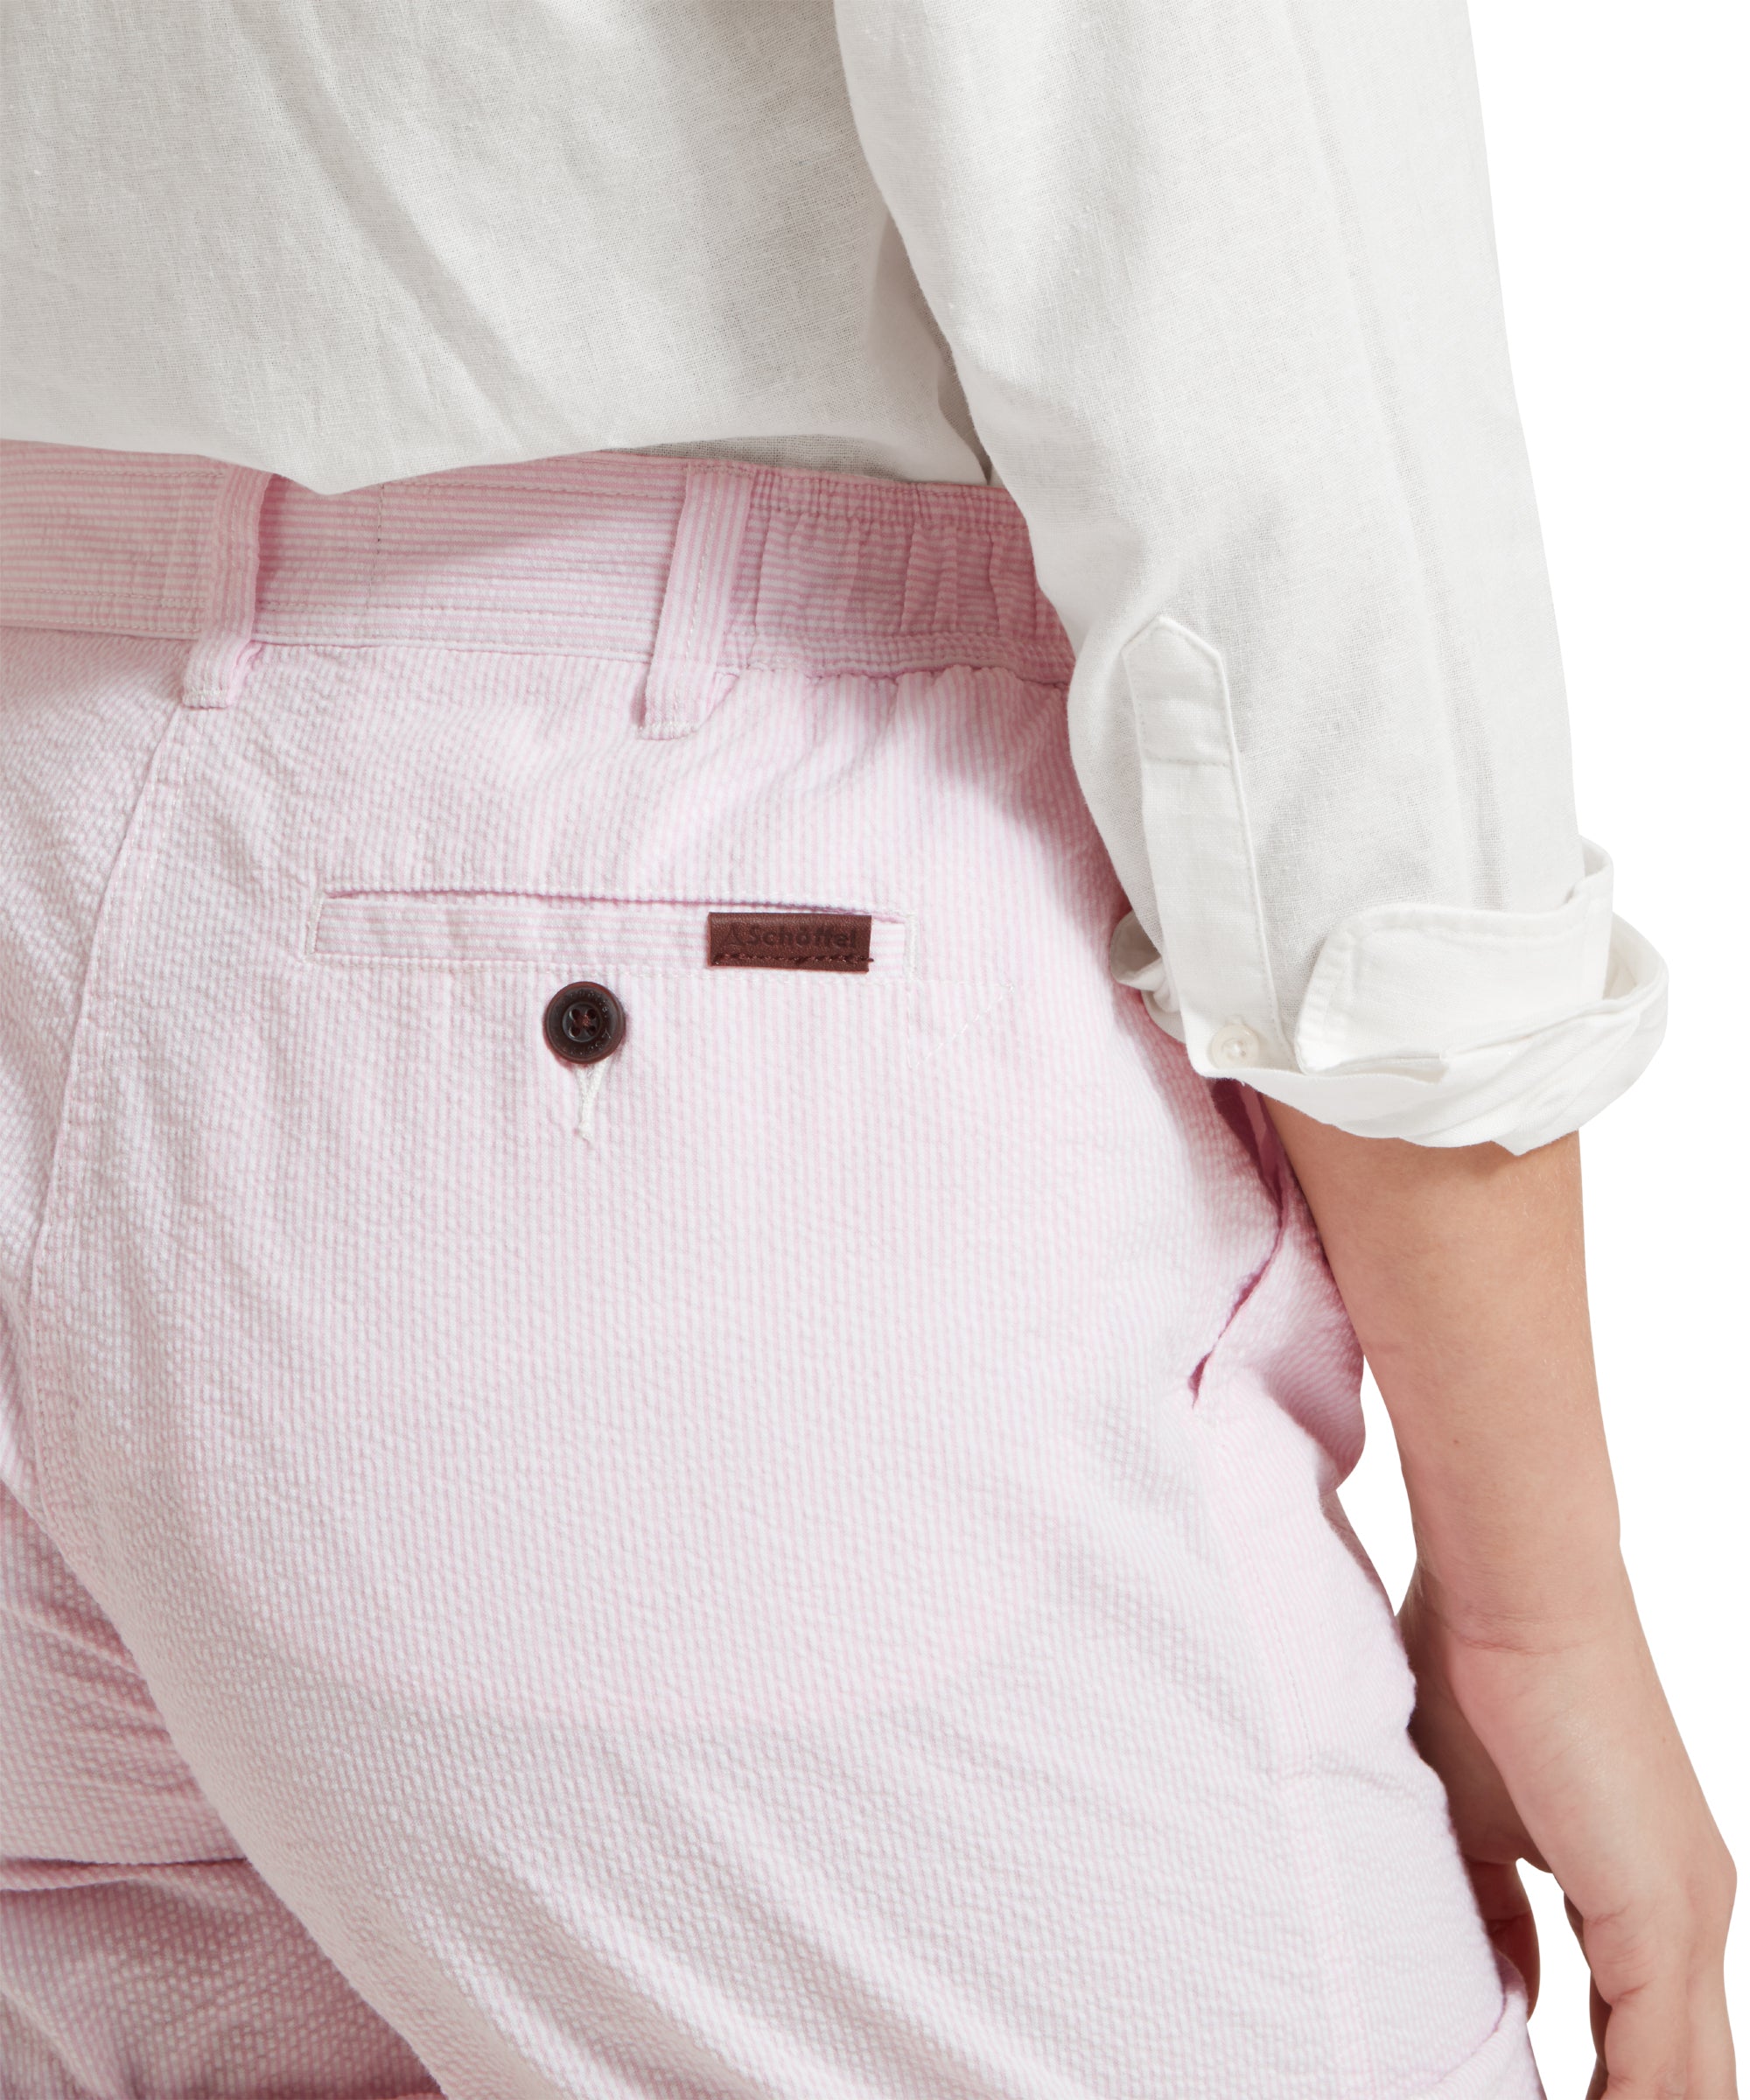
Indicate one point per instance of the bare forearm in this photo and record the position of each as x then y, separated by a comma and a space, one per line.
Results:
1464, 1272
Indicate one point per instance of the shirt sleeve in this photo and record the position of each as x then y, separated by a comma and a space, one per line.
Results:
1220, 284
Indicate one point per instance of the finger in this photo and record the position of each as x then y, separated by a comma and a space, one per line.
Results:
1713, 2074
1599, 2010
1646, 2041
1509, 1918
1641, 2033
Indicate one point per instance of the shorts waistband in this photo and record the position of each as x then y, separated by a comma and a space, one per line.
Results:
673, 562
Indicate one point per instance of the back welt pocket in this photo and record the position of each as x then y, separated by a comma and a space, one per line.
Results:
653, 936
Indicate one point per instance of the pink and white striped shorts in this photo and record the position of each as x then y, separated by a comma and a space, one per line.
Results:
761, 1530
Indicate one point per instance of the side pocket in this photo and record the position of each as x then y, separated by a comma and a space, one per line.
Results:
1277, 1425
1289, 1337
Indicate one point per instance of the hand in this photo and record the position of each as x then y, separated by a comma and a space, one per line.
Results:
1561, 1751
1464, 1271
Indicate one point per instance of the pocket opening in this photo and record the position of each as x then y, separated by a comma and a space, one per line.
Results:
666, 937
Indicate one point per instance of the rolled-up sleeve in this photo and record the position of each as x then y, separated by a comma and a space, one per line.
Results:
1220, 284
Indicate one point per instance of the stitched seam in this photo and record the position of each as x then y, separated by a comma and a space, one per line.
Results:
889, 974
1434, 594
1000, 992
1329, 986
1295, 1768
885, 972
379, 527
1460, 925
1315, 1852
573, 900
697, 509
1037, 672
544, 901
69, 1159
1237, 779
99, 622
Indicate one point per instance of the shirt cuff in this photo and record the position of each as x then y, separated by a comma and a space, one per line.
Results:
1442, 1024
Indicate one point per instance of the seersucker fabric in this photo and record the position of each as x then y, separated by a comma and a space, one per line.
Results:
797, 1561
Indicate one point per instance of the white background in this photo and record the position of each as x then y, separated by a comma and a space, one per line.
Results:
1620, 155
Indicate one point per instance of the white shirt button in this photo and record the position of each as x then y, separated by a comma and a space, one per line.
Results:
1235, 1044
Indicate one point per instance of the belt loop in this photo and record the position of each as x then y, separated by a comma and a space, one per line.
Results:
230, 558
687, 678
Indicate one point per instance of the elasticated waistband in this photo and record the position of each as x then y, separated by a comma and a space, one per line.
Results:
610, 554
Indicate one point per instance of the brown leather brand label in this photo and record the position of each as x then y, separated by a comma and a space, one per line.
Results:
788, 940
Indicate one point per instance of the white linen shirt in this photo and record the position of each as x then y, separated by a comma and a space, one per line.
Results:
1210, 287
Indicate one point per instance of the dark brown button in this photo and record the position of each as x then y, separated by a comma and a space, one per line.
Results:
584, 1023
